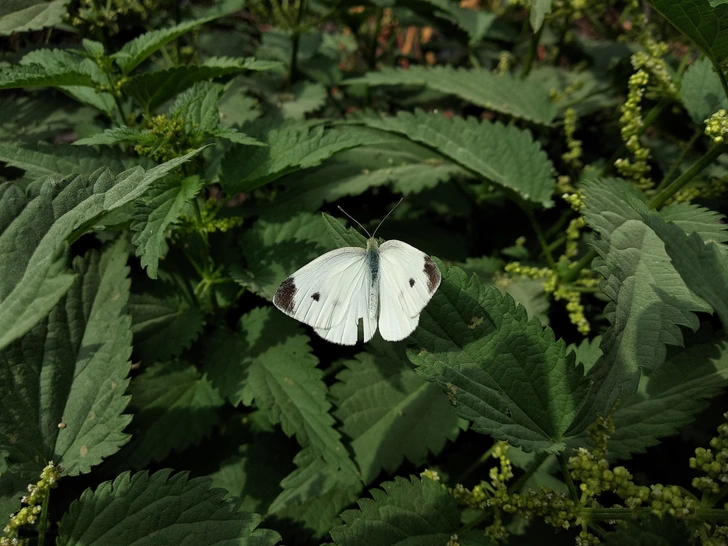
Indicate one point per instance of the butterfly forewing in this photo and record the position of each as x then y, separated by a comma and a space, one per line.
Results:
331, 293
408, 279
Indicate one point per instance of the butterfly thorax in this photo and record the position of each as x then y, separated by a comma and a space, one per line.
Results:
372, 258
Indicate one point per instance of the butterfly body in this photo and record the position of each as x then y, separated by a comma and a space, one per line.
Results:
384, 286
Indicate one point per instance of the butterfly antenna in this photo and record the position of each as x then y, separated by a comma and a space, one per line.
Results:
387, 216
357, 222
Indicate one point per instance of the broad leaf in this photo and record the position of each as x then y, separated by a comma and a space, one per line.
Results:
701, 91
13, 487
139, 49
316, 493
174, 407
500, 369
701, 262
706, 26
507, 156
670, 399
160, 509
416, 511
292, 147
24, 15
271, 366
35, 228
539, 10
160, 209
305, 97
152, 89
390, 413
63, 383
34, 75
649, 300
163, 325
525, 99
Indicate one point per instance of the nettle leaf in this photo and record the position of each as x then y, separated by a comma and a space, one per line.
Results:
154, 215
420, 512
174, 407
35, 227
409, 168
690, 218
163, 325
34, 75
31, 15
316, 493
270, 365
706, 26
506, 156
275, 246
57, 161
671, 398
13, 487
341, 235
140, 48
649, 300
500, 369
539, 10
390, 412
304, 98
292, 147
117, 135
71, 369
160, 509
701, 91
152, 89
701, 262
525, 99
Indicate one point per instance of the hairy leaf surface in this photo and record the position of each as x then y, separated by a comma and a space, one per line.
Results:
701, 91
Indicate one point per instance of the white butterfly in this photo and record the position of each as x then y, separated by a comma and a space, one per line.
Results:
391, 284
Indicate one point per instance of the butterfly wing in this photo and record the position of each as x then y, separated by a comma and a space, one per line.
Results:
407, 280
331, 293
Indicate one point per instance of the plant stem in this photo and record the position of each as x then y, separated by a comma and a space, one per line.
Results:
676, 164
711, 155
539, 235
567, 477
43, 523
573, 272
721, 76
372, 61
532, 50
296, 39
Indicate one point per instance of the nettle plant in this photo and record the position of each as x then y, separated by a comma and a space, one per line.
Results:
166, 168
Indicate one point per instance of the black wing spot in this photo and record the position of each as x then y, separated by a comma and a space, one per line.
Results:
316, 296
412, 283
432, 273
284, 295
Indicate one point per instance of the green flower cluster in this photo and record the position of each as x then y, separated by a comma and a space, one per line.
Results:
652, 61
209, 221
168, 137
713, 463
105, 14
573, 156
631, 122
28, 515
716, 126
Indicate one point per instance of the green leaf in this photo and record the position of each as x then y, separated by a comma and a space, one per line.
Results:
272, 367
410, 169
649, 300
140, 48
506, 156
163, 326
156, 213
670, 399
57, 161
35, 230
316, 493
71, 369
391, 413
525, 99
500, 369
651, 530
12, 488
117, 135
706, 26
419, 512
174, 407
27, 15
34, 75
539, 10
154, 88
277, 245
702, 264
304, 98
160, 509
708, 224
291, 147
475, 23
701, 91
341, 235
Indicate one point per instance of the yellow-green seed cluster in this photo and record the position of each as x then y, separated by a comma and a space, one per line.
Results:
28, 515
171, 138
573, 155
716, 126
105, 14
632, 123
713, 463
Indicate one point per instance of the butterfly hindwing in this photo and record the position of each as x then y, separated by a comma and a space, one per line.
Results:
331, 293
407, 280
